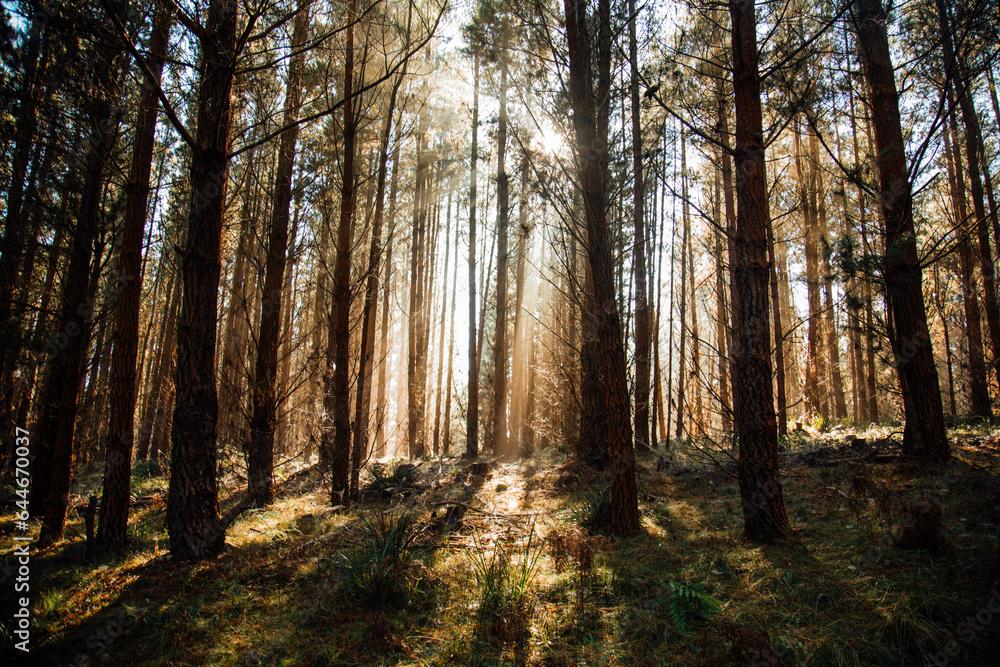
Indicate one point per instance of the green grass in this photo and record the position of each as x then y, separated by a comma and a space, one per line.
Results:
688, 591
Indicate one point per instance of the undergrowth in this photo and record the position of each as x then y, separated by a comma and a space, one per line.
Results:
377, 572
504, 577
306, 584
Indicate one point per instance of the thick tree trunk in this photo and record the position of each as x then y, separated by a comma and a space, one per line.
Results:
111, 529
593, 430
264, 399
590, 124
53, 462
193, 504
924, 435
754, 420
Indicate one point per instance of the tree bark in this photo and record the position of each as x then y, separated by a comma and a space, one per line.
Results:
978, 385
472, 416
590, 125
958, 77
53, 462
193, 505
264, 399
639, 249
111, 530
754, 420
498, 436
338, 399
924, 435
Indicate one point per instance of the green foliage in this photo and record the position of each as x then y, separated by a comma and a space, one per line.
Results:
689, 603
377, 572
389, 476
150, 468
504, 577
594, 514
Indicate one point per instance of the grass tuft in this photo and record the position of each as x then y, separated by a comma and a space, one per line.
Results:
378, 571
504, 576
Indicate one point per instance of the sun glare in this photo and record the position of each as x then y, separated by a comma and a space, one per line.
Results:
552, 141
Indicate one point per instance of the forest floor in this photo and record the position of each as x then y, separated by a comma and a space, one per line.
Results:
495, 569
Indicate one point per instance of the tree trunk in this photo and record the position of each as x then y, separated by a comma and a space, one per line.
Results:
779, 336
591, 129
978, 383
685, 234
384, 348
441, 329
193, 505
815, 366
592, 444
835, 394
264, 399
111, 529
754, 420
161, 364
472, 416
446, 446
959, 78
519, 359
942, 313
639, 249
498, 436
367, 352
416, 379
338, 399
924, 435
68, 350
